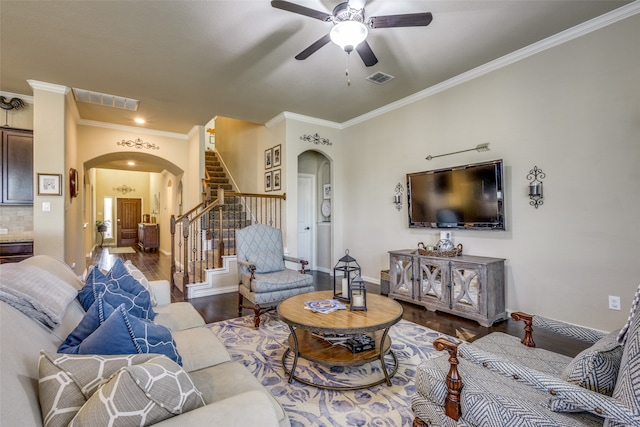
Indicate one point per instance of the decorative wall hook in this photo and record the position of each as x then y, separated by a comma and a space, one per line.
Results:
535, 177
478, 148
397, 198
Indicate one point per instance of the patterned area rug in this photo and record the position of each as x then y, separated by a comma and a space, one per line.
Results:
261, 352
124, 250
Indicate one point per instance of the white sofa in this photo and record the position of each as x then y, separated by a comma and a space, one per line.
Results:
233, 396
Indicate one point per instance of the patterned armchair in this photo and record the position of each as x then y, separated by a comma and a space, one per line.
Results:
497, 381
264, 279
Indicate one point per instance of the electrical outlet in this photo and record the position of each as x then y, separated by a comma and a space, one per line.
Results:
614, 302
4, 231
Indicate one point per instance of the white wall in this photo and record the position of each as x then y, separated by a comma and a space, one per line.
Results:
573, 111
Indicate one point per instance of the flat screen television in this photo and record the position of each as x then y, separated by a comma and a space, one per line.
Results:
469, 196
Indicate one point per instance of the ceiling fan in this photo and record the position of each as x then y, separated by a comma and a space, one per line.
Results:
350, 28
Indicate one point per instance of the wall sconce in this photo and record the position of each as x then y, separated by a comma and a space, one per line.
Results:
397, 198
535, 177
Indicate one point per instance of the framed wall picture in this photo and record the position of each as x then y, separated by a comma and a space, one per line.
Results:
276, 180
326, 191
276, 156
73, 183
267, 181
49, 184
268, 158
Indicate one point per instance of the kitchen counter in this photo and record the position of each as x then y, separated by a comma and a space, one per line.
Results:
26, 236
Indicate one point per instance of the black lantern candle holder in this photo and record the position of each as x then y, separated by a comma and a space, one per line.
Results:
344, 272
358, 295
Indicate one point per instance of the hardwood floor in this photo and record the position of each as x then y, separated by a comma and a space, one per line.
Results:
156, 266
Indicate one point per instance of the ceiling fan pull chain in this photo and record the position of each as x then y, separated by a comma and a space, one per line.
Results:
347, 70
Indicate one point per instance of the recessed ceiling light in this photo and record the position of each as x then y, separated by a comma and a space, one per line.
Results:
139, 121
130, 163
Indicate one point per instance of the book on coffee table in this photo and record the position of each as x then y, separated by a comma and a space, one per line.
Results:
324, 306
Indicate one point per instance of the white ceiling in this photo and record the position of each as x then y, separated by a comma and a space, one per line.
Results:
188, 61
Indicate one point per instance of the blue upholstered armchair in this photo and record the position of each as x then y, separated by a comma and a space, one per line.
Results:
264, 279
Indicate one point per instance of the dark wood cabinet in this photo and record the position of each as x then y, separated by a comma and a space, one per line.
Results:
17, 167
148, 236
15, 251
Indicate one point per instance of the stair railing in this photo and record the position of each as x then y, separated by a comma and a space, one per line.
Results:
206, 233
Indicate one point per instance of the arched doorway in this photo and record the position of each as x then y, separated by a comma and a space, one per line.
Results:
140, 179
314, 209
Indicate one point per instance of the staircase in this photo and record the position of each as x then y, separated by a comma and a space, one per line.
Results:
203, 239
233, 215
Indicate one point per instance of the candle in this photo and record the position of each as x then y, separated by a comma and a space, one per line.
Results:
358, 301
345, 288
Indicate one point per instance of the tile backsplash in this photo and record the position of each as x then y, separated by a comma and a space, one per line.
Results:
18, 220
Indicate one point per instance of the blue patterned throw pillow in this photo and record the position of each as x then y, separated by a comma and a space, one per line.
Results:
93, 318
119, 333
117, 287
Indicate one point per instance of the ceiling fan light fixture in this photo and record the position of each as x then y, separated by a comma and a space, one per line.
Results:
348, 34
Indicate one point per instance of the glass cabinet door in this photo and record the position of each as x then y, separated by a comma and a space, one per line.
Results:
433, 279
466, 282
401, 275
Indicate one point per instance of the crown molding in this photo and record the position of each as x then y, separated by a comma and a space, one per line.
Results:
302, 118
26, 98
48, 87
133, 129
580, 30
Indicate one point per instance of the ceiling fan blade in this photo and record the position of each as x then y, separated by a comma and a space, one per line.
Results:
367, 55
313, 48
296, 8
406, 20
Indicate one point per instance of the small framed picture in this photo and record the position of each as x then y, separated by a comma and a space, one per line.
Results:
326, 191
276, 156
49, 184
268, 158
73, 183
267, 181
276, 179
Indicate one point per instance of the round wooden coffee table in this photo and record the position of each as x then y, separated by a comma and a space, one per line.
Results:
381, 314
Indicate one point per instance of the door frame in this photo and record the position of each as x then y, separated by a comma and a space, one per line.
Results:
312, 220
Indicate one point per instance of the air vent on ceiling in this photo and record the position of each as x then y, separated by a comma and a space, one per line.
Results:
107, 100
380, 78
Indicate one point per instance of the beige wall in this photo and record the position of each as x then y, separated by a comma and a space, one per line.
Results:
241, 146
572, 111
49, 119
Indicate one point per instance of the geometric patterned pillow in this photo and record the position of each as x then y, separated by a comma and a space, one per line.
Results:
120, 290
122, 333
142, 279
266, 261
92, 319
141, 395
67, 381
596, 368
120, 276
627, 387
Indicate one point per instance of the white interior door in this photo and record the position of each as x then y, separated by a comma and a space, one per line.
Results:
306, 218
